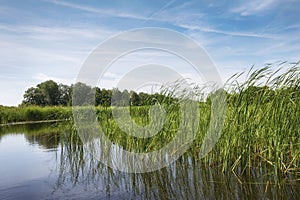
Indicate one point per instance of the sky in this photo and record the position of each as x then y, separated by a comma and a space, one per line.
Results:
50, 39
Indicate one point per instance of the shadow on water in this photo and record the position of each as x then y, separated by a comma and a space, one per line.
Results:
77, 172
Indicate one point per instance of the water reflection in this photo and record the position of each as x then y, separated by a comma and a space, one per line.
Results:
186, 178
76, 174
46, 135
46, 140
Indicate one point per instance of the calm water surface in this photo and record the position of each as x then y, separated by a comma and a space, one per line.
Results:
45, 162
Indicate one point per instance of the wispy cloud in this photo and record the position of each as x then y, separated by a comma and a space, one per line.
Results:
231, 33
68, 45
98, 11
160, 10
44, 77
52, 40
110, 75
254, 7
48, 32
42, 53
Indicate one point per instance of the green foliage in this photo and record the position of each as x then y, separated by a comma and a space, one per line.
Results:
46, 93
261, 129
262, 125
65, 95
134, 99
49, 93
84, 94
33, 113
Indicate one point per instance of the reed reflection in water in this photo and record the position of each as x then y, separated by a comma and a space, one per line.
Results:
187, 178
75, 174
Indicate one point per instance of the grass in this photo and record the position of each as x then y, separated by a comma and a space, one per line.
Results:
263, 126
33, 113
261, 129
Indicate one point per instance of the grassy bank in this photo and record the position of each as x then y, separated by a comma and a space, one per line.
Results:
33, 113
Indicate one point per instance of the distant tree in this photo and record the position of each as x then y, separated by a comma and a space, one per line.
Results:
125, 98
144, 98
34, 96
104, 97
44, 94
50, 92
98, 96
65, 97
157, 98
83, 94
116, 98
134, 98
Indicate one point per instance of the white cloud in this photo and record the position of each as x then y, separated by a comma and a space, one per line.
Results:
254, 7
110, 75
45, 48
55, 33
97, 11
41, 77
231, 33
42, 53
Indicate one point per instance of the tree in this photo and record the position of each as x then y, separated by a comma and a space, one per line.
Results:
106, 97
50, 92
84, 94
145, 99
134, 98
125, 98
34, 96
98, 96
116, 99
65, 97
44, 94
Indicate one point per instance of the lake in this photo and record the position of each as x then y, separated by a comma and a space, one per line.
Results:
47, 161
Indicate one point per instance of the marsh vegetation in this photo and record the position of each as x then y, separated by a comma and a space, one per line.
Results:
259, 145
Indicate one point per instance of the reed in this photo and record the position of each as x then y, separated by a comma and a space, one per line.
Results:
33, 113
261, 128
262, 125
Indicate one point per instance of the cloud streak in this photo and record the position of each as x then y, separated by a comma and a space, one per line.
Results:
254, 7
230, 33
52, 40
97, 11
44, 77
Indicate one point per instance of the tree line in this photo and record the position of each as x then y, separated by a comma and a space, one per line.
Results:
50, 93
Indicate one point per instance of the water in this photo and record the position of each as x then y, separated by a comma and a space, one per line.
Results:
42, 162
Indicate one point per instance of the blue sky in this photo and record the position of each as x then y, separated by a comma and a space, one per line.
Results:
45, 39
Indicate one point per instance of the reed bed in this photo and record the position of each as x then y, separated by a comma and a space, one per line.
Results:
262, 125
33, 113
261, 128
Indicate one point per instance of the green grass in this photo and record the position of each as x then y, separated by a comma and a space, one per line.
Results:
33, 113
262, 125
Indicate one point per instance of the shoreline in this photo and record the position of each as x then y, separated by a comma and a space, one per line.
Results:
33, 122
